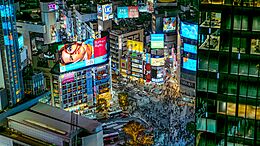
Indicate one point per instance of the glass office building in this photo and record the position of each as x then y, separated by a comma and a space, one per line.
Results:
228, 89
10, 55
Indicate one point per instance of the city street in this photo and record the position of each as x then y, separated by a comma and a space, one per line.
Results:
166, 117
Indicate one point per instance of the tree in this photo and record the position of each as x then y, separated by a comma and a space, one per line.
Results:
102, 106
136, 131
123, 100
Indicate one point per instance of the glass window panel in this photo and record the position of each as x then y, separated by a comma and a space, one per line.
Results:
252, 90
202, 84
255, 46
243, 89
241, 110
254, 68
243, 68
234, 67
212, 85
231, 109
240, 22
213, 64
203, 62
256, 23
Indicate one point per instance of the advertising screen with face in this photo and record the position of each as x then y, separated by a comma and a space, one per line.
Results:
133, 12
76, 55
169, 24
150, 6
189, 64
122, 12
189, 31
100, 49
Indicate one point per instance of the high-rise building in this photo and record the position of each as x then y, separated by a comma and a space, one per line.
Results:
10, 55
228, 89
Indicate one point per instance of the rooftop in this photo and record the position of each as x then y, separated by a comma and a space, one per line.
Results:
56, 121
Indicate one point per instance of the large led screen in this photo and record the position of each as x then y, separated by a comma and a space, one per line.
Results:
135, 46
76, 55
190, 48
122, 12
189, 64
157, 40
100, 49
150, 6
157, 61
189, 31
107, 12
169, 24
133, 12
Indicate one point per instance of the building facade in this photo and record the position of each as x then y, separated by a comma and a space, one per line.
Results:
228, 90
10, 56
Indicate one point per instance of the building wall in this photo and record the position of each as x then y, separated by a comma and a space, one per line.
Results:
35, 133
93, 140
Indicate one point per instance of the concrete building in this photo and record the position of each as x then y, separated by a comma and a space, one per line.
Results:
118, 46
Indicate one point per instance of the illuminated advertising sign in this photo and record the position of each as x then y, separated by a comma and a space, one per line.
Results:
76, 55
189, 31
99, 12
52, 7
107, 12
150, 6
135, 46
142, 7
100, 49
20, 42
148, 76
122, 12
133, 12
157, 61
157, 40
189, 64
190, 48
67, 78
169, 24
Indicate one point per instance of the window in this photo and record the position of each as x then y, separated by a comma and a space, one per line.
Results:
255, 46
256, 23
240, 22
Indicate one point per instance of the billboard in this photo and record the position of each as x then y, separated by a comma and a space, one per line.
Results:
76, 55
157, 40
189, 31
150, 6
169, 24
99, 12
67, 78
52, 7
148, 75
189, 64
100, 49
190, 48
157, 61
122, 12
133, 12
107, 12
104, 12
142, 7
134, 46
